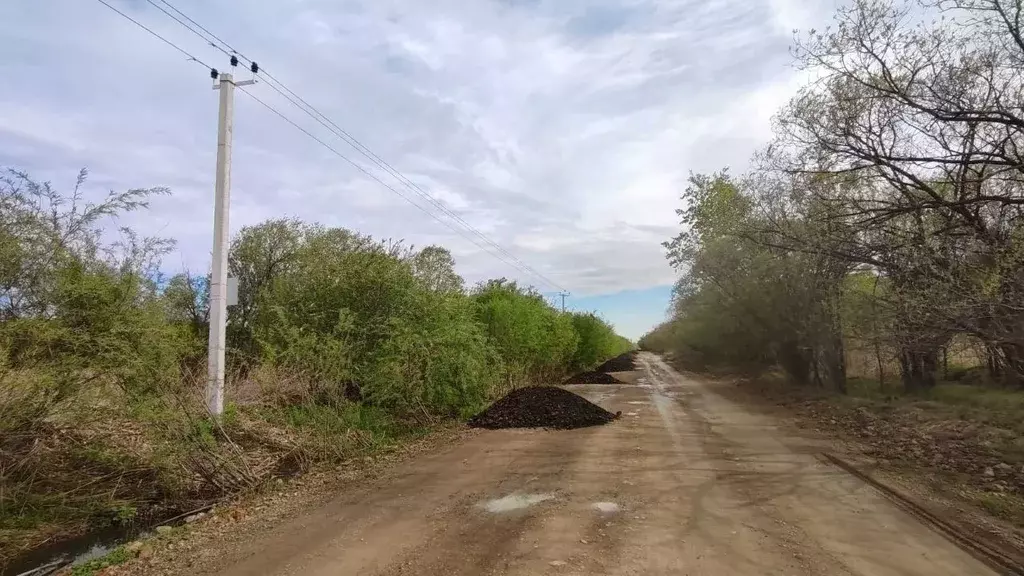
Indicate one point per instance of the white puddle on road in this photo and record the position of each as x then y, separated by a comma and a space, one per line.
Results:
638, 402
514, 502
606, 507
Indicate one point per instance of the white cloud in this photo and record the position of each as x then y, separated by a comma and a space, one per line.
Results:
563, 129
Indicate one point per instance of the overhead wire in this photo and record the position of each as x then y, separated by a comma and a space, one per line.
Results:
200, 26
191, 57
310, 110
207, 36
503, 259
357, 166
297, 126
187, 26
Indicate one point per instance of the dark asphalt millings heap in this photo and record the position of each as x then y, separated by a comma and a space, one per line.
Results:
542, 407
593, 378
621, 363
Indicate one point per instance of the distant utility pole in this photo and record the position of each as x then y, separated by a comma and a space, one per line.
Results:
219, 278
563, 295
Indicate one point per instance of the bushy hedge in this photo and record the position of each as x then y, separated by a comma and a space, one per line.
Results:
341, 310
597, 341
339, 343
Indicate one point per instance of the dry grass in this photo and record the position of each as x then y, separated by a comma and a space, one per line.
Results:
100, 458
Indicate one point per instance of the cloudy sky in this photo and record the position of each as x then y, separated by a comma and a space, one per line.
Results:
562, 129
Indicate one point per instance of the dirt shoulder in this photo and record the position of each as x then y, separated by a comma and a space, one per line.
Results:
960, 462
193, 547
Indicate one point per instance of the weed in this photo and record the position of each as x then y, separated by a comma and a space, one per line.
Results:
1005, 506
334, 432
125, 513
117, 556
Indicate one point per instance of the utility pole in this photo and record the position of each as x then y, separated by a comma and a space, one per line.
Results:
563, 295
219, 277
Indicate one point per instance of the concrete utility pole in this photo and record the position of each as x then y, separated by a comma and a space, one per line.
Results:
219, 277
563, 295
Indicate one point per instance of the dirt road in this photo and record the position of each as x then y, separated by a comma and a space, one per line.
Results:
686, 483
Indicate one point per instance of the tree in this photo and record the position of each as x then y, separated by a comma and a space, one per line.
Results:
744, 299
919, 125
434, 267
43, 230
259, 255
187, 299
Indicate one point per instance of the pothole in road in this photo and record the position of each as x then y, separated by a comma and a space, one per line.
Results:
514, 502
606, 507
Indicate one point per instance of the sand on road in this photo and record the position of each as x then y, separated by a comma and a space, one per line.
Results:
684, 483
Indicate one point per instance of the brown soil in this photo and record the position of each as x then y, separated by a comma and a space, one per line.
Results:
688, 482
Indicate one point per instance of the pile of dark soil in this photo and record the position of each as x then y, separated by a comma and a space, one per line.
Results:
542, 407
621, 363
593, 378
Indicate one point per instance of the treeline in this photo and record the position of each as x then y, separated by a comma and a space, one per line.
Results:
339, 343
885, 217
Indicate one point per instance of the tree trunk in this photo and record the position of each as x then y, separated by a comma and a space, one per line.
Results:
945, 362
1013, 362
833, 362
993, 361
917, 370
881, 366
794, 361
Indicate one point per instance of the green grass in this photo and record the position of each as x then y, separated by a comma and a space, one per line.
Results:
992, 399
340, 419
869, 389
1005, 506
333, 432
993, 406
118, 555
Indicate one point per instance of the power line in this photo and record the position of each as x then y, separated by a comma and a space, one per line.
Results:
158, 36
278, 113
198, 25
413, 187
206, 35
300, 103
179, 21
305, 106
330, 125
363, 170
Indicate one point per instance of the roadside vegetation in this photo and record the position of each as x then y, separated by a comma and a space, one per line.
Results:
874, 255
340, 345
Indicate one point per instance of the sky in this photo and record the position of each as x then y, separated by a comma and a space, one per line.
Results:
563, 130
